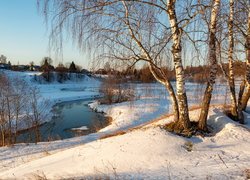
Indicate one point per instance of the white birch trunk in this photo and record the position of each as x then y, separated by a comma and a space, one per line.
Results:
231, 81
170, 90
179, 70
246, 94
162, 80
213, 70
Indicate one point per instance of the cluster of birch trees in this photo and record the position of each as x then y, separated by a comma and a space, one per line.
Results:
20, 107
163, 33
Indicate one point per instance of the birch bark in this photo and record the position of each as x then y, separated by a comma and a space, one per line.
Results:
246, 94
213, 63
161, 79
231, 80
179, 70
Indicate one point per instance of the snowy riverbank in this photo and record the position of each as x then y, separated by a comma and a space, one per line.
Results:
54, 92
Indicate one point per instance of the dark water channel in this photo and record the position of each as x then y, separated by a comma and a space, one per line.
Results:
67, 119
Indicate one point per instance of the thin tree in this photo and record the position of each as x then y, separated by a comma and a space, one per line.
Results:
236, 29
246, 94
179, 70
20, 97
3, 119
213, 63
234, 108
36, 112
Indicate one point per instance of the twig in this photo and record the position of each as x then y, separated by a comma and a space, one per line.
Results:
222, 160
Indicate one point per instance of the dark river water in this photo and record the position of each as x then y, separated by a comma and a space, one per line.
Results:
67, 116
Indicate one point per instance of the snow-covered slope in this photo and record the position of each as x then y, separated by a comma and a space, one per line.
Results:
150, 153
85, 87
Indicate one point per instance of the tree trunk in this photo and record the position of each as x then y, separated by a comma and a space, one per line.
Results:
3, 135
2, 121
37, 132
9, 120
245, 97
213, 71
16, 128
179, 103
161, 79
179, 70
169, 88
231, 81
240, 106
246, 94
180, 91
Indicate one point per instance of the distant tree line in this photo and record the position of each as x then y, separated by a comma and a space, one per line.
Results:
198, 74
50, 73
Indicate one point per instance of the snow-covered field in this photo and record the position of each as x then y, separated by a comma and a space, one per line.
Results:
140, 149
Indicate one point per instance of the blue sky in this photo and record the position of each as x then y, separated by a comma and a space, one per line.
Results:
24, 36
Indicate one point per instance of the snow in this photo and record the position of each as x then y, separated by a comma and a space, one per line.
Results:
134, 146
82, 128
150, 152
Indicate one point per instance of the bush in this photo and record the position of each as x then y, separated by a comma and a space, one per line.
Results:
114, 91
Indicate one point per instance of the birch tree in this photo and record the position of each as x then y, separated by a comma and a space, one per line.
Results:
180, 79
213, 63
246, 94
234, 108
238, 106
229, 51
237, 32
3, 119
241, 24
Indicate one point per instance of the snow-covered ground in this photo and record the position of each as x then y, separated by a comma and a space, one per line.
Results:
134, 146
57, 92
